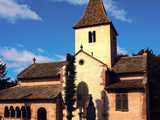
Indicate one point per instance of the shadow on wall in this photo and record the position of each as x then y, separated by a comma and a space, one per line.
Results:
102, 107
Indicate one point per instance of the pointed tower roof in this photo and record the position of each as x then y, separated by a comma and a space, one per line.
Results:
95, 14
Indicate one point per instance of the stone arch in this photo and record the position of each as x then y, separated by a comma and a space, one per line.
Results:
82, 94
6, 112
82, 98
12, 112
41, 114
18, 112
23, 110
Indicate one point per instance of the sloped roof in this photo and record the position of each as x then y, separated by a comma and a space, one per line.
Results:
81, 50
41, 70
94, 14
131, 64
30, 92
127, 85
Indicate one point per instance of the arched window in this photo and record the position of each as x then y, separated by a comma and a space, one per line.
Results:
23, 109
82, 94
42, 114
18, 112
12, 111
28, 110
6, 112
82, 97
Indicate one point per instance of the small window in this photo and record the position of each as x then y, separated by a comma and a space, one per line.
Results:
42, 114
18, 112
6, 112
23, 109
91, 36
81, 62
122, 102
12, 112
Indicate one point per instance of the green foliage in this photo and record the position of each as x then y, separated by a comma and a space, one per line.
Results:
4, 80
70, 87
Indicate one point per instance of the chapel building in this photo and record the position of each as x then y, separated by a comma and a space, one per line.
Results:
122, 87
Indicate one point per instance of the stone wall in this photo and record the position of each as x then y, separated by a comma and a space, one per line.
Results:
101, 49
91, 73
50, 108
135, 107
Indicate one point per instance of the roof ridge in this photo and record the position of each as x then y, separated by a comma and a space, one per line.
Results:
25, 69
38, 85
41, 70
132, 56
9, 88
51, 62
104, 9
90, 56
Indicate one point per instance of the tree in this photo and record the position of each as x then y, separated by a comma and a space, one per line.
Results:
4, 80
70, 87
91, 111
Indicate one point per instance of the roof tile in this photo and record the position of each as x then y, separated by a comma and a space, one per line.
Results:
131, 64
126, 84
31, 92
41, 70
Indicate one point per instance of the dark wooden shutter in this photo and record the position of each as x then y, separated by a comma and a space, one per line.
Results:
118, 102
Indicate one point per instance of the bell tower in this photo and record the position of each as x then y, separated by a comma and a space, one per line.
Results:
96, 33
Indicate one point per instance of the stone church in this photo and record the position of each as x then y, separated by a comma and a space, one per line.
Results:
122, 87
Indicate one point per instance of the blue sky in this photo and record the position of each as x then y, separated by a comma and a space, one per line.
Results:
43, 28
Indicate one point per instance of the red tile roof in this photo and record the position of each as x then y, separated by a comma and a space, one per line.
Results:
42, 70
126, 85
131, 64
39, 92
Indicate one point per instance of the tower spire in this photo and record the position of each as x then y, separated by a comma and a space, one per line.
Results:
95, 14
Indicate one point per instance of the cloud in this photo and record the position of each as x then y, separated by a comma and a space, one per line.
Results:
121, 51
40, 50
73, 2
60, 57
12, 11
1, 61
117, 12
20, 45
112, 8
19, 59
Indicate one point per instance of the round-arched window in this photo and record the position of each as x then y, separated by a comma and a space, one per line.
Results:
42, 114
6, 112
18, 112
82, 94
12, 111
23, 109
